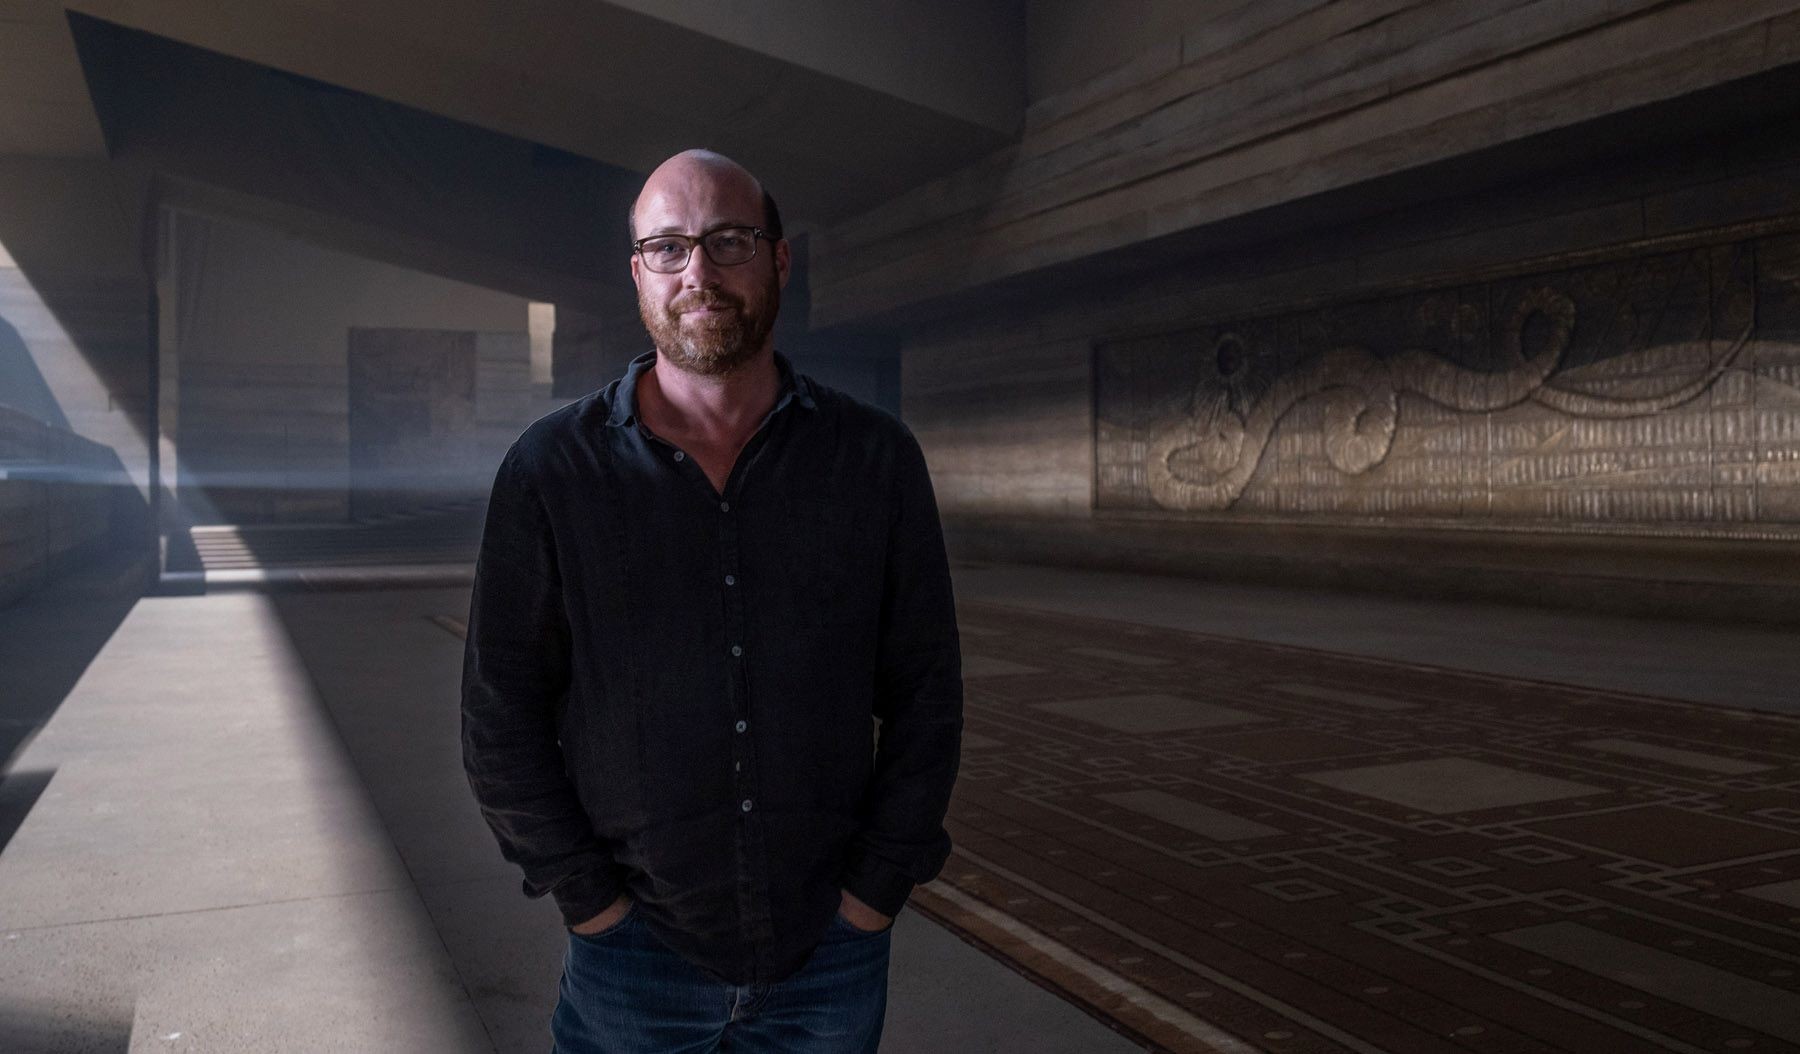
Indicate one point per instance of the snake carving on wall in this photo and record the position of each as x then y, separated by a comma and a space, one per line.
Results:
1204, 460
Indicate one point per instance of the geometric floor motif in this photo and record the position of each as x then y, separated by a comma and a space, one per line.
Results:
1226, 845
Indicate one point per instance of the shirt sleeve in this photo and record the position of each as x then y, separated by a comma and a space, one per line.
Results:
515, 682
918, 697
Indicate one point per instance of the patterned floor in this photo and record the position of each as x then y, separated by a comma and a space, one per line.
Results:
1220, 844
1216, 844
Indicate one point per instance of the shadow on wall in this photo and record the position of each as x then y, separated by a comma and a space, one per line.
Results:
77, 297
74, 402
22, 385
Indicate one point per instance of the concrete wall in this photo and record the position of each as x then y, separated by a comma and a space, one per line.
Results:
75, 304
1605, 347
1253, 108
1067, 47
263, 334
74, 374
59, 501
432, 412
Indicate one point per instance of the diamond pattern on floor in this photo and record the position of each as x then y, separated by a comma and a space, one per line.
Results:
1370, 855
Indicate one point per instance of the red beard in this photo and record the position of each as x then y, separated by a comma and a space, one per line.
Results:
711, 344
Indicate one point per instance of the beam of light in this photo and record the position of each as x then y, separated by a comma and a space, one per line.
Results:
541, 324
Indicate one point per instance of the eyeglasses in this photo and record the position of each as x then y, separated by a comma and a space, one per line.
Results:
726, 247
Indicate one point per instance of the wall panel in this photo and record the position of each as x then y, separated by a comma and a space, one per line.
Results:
1628, 392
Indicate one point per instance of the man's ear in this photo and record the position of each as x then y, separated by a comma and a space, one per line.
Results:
783, 261
637, 277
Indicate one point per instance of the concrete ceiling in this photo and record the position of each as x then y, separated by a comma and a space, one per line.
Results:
44, 106
229, 138
837, 106
497, 142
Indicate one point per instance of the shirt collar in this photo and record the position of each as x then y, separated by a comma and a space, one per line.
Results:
794, 386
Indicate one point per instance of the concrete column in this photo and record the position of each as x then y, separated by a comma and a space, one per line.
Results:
168, 375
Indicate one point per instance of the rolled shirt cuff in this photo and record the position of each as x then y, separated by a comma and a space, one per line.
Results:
878, 883
581, 897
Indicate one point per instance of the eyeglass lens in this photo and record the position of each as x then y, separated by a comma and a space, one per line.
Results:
725, 247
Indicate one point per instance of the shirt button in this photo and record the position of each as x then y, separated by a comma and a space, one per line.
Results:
737, 766
746, 805
679, 456
724, 506
736, 650
731, 580
741, 725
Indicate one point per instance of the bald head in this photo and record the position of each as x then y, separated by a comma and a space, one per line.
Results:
707, 317
719, 177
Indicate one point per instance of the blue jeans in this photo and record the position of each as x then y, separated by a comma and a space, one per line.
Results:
624, 992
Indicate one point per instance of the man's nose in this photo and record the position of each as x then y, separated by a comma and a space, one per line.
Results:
700, 272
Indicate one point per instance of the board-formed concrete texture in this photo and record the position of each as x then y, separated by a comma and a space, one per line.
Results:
1551, 396
54, 498
1462, 301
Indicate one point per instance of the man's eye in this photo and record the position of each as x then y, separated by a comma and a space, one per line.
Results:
663, 248
729, 242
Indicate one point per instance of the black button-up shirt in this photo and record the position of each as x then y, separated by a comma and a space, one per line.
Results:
673, 692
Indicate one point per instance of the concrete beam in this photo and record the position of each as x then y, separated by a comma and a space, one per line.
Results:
44, 110
832, 134
1338, 96
965, 61
228, 138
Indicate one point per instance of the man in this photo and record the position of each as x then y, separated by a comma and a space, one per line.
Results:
697, 589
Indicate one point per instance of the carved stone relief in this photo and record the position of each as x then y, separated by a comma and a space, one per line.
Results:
1653, 390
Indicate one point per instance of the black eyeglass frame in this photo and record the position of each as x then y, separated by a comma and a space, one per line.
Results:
756, 233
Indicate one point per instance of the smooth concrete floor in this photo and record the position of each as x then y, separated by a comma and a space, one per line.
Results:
256, 835
254, 832
1756, 667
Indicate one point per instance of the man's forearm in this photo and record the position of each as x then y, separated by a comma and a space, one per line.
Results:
515, 675
532, 809
918, 696
515, 769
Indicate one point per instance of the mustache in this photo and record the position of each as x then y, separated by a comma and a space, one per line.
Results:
704, 298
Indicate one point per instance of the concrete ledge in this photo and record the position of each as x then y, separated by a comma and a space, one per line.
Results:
1726, 579
305, 579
